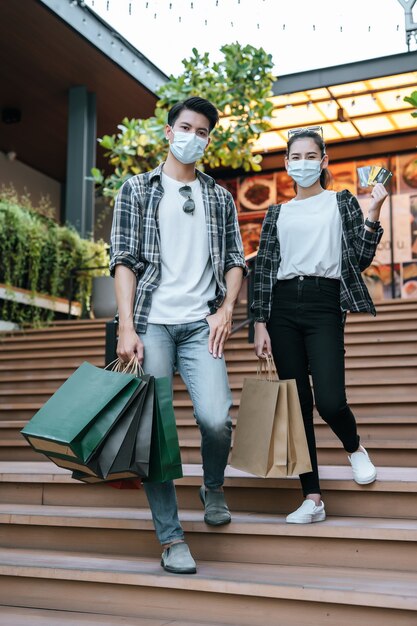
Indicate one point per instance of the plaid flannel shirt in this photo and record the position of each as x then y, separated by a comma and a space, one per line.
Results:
135, 236
358, 250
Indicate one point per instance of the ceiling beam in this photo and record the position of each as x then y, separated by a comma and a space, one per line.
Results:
347, 73
103, 37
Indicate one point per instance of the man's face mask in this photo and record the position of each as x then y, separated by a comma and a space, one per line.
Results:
187, 147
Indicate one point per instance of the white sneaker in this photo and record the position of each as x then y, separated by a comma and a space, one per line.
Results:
307, 513
364, 471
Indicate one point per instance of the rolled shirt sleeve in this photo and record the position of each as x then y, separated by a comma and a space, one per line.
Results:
126, 229
235, 256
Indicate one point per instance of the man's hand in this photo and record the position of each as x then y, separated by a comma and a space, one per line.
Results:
262, 341
129, 345
220, 324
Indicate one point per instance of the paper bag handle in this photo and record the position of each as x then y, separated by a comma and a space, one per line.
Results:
266, 369
133, 367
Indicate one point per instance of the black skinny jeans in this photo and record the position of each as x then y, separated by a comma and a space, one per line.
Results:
306, 329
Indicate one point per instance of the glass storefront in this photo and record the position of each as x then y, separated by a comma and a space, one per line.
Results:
393, 273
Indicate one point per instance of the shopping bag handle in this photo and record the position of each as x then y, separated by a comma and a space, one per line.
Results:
266, 369
133, 367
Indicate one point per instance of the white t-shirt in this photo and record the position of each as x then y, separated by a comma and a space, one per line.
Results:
310, 237
187, 278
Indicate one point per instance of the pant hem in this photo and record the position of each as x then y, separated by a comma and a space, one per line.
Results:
170, 540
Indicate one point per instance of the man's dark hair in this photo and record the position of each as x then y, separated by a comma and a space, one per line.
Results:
199, 105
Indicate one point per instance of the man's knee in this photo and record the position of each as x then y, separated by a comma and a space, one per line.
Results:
214, 421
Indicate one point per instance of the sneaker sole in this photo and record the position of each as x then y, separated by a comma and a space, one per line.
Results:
367, 481
174, 570
319, 518
222, 523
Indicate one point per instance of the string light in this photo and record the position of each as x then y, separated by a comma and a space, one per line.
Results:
130, 8
353, 103
205, 22
257, 26
341, 29
179, 19
283, 27
369, 29
314, 27
154, 16
192, 5
231, 24
108, 4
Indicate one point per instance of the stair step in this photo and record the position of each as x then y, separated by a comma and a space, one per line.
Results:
251, 538
14, 616
217, 589
360, 386
390, 456
392, 495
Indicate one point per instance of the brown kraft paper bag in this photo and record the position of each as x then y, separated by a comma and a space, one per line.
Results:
270, 439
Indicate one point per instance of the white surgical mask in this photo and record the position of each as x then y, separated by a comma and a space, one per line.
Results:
304, 172
187, 147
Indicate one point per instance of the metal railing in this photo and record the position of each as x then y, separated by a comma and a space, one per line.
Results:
112, 325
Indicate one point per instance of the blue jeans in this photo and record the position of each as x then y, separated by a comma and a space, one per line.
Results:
184, 347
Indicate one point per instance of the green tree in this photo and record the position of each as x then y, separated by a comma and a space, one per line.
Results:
412, 100
239, 86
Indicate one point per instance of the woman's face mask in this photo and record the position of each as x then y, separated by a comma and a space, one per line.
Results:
305, 172
187, 147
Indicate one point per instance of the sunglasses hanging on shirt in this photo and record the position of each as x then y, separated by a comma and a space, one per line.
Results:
189, 204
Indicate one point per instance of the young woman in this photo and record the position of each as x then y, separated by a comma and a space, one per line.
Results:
308, 274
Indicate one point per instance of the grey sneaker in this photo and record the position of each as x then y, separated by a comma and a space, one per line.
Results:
177, 559
216, 512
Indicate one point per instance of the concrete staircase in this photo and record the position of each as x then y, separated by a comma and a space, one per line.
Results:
83, 554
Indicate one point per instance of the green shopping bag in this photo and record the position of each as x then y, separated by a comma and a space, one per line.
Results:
165, 456
75, 420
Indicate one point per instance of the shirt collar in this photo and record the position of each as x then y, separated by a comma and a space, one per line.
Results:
205, 179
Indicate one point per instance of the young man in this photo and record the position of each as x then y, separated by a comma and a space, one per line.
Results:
178, 263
